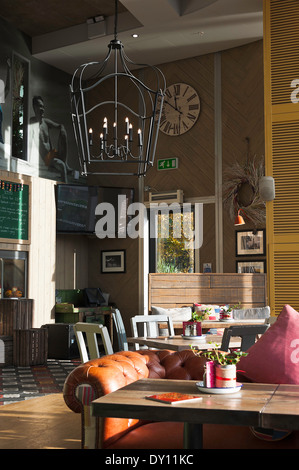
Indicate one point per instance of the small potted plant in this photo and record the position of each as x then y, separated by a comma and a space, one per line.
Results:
220, 369
205, 311
226, 312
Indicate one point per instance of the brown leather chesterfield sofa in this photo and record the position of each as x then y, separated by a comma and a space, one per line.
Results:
101, 376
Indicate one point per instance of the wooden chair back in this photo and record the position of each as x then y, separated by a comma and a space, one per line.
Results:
248, 334
86, 335
150, 324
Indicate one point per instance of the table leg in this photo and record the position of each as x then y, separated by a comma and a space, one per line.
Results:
193, 436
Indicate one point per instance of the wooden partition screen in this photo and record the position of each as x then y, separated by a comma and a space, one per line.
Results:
177, 290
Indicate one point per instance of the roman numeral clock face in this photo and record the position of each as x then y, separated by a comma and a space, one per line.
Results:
181, 108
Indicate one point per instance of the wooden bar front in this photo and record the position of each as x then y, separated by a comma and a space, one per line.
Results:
15, 314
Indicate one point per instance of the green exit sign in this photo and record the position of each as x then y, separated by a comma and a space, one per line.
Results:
168, 164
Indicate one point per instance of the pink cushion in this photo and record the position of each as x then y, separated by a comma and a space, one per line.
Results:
274, 358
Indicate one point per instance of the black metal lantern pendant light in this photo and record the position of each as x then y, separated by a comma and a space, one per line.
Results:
115, 115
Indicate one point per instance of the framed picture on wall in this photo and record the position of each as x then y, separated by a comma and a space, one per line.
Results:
113, 261
250, 242
252, 266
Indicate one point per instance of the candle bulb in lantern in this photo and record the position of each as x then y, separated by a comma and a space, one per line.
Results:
130, 133
127, 125
139, 138
90, 136
127, 141
114, 130
101, 142
105, 128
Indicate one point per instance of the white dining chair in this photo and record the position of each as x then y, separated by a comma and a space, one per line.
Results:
87, 335
150, 326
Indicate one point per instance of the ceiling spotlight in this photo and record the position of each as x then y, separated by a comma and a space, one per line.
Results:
135, 35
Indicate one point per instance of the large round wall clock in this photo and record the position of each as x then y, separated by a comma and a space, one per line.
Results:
181, 108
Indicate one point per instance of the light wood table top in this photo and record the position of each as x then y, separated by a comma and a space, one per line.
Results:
282, 411
227, 324
254, 405
177, 343
207, 324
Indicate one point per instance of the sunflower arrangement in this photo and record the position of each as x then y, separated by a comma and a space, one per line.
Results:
234, 179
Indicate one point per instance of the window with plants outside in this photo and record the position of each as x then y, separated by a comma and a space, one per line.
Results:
171, 249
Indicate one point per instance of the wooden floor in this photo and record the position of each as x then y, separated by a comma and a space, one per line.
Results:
40, 423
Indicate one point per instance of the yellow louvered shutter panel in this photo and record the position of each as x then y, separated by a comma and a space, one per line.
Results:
284, 19
285, 167
286, 276
281, 67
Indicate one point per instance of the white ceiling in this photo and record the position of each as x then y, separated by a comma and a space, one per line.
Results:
168, 30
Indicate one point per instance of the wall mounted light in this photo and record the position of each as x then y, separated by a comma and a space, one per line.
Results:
239, 219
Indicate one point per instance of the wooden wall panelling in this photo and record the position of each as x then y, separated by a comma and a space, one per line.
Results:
177, 290
41, 265
281, 36
72, 262
243, 96
122, 287
242, 118
195, 149
60, 262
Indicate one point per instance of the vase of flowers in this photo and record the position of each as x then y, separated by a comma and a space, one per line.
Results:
206, 312
226, 312
220, 369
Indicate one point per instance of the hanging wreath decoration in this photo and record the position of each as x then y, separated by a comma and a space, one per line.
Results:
241, 191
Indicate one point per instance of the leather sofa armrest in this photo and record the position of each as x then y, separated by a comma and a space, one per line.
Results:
104, 375
94, 379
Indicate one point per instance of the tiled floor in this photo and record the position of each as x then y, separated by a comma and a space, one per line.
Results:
22, 383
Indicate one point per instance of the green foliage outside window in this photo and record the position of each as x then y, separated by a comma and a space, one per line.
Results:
174, 249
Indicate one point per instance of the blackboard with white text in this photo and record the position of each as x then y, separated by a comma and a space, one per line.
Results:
14, 210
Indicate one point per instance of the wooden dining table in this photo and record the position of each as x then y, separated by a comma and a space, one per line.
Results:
263, 405
218, 324
179, 343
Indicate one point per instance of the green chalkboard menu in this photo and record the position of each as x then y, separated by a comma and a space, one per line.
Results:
14, 210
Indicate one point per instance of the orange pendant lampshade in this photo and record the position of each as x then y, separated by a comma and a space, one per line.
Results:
239, 219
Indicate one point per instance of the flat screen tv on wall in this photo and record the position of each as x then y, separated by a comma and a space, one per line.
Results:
76, 204
75, 208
